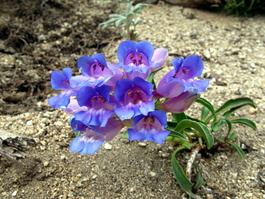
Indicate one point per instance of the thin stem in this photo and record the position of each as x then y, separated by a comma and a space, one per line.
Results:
194, 153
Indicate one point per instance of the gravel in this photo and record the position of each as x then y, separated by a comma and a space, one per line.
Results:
233, 50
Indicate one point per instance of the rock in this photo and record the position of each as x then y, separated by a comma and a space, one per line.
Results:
153, 174
252, 111
142, 144
108, 146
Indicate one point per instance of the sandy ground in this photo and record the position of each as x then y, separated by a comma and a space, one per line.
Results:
233, 53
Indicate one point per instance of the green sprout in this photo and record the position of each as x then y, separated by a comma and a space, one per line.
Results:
126, 19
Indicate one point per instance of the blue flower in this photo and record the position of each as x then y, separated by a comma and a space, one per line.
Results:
181, 78
93, 137
88, 143
96, 71
134, 98
99, 106
150, 127
61, 81
139, 59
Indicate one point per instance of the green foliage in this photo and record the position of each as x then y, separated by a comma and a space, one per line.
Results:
244, 7
197, 134
126, 18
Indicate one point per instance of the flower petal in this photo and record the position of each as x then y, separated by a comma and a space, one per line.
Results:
125, 48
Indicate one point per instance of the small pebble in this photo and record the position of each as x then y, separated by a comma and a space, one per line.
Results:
14, 193
252, 111
108, 146
152, 174
142, 144
46, 163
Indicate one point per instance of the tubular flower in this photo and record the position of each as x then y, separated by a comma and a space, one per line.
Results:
61, 81
180, 103
181, 78
93, 137
150, 127
134, 98
96, 71
138, 59
98, 102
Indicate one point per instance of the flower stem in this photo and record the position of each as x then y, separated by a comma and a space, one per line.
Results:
194, 153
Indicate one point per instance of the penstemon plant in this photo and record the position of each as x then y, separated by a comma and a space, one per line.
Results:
108, 97
126, 18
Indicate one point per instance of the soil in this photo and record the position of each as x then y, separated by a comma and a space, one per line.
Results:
37, 37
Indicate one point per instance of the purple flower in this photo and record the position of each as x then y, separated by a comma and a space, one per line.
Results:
96, 71
138, 59
150, 127
181, 78
88, 143
99, 103
134, 98
180, 103
61, 81
73, 107
93, 137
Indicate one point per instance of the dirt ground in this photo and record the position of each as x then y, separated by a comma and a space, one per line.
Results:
37, 37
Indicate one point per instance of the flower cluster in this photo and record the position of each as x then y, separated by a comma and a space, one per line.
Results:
106, 97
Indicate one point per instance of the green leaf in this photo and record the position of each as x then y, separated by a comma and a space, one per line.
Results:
208, 105
205, 113
232, 105
129, 7
198, 126
139, 7
178, 137
199, 181
78, 133
244, 121
137, 21
179, 116
238, 149
126, 135
231, 137
180, 175
115, 16
150, 77
171, 125
218, 124
229, 124
119, 22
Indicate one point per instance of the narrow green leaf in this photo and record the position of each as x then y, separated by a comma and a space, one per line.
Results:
206, 104
180, 176
137, 21
218, 124
129, 7
235, 103
205, 113
78, 133
232, 105
171, 125
244, 121
139, 7
178, 135
150, 77
115, 16
187, 145
229, 124
238, 149
119, 22
199, 181
179, 116
198, 126
231, 137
